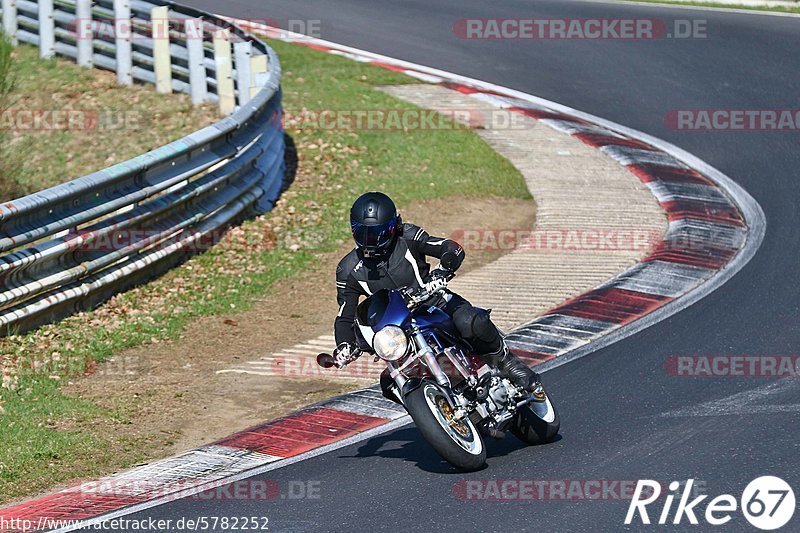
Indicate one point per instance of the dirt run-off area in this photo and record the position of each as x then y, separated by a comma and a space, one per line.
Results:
170, 390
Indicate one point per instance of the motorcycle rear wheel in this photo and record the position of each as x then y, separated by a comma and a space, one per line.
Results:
456, 441
536, 423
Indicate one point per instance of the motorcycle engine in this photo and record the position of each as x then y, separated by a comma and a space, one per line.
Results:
498, 394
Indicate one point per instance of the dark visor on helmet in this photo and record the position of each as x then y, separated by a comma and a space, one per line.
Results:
374, 237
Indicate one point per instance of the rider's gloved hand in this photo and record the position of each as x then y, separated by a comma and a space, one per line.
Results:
344, 354
452, 259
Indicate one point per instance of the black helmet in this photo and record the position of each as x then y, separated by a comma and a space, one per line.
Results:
375, 223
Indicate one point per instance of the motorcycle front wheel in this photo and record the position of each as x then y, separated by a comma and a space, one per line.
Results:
457, 441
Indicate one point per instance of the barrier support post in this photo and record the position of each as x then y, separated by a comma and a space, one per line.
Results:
197, 60
162, 62
222, 58
241, 53
259, 73
47, 35
123, 33
85, 33
10, 20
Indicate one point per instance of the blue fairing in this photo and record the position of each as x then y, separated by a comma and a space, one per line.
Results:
388, 308
384, 308
433, 317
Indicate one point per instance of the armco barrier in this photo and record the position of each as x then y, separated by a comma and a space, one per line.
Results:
168, 202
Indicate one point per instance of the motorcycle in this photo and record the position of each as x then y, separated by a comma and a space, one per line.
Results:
452, 395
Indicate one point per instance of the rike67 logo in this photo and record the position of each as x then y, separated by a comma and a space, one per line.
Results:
767, 502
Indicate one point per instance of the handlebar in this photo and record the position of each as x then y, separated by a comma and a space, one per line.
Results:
416, 297
326, 360
413, 298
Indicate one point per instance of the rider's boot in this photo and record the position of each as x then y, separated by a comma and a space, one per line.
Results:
515, 370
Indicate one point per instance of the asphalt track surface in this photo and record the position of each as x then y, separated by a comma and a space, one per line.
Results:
623, 416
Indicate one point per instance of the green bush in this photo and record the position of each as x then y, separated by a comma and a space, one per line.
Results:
6, 76
7, 81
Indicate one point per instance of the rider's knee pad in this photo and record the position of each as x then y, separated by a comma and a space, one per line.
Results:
483, 326
475, 323
463, 319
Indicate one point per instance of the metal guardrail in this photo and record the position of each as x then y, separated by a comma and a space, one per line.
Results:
70, 247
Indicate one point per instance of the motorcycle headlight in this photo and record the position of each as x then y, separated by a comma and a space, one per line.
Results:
390, 343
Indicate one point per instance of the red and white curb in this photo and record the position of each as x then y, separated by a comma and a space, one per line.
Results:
715, 228
202, 469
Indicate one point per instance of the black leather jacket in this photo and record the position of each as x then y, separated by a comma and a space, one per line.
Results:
404, 265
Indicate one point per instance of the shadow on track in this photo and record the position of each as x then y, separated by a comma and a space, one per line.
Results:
408, 445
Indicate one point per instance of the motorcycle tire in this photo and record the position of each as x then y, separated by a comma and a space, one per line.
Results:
536, 423
459, 443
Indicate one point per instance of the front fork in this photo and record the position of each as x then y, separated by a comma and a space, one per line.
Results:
458, 402
429, 359
426, 353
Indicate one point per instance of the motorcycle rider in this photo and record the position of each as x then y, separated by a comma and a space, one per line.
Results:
390, 254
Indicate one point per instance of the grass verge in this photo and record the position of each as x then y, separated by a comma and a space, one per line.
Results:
63, 121
7, 82
777, 9
51, 438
